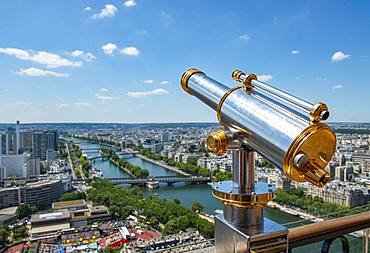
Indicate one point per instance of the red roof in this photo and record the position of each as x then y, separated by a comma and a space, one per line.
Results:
15, 249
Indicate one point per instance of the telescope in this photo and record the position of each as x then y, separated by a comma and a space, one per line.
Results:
284, 129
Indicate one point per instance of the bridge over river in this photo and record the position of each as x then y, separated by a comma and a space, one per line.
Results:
153, 182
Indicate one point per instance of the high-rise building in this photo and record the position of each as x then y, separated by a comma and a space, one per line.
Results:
33, 167
18, 138
2, 144
42, 142
15, 165
2, 174
26, 142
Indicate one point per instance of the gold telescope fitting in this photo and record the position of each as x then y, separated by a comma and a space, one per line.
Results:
237, 76
303, 163
222, 100
186, 76
243, 201
217, 142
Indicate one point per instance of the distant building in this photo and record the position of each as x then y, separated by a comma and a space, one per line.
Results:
15, 165
2, 174
81, 212
164, 137
10, 196
43, 192
51, 155
49, 224
344, 173
156, 148
345, 194
42, 142
33, 167
283, 182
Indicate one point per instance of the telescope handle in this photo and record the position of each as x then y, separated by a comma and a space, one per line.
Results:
317, 112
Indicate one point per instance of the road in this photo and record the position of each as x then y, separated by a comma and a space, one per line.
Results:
70, 162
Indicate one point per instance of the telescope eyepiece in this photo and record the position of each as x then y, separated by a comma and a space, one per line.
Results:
319, 112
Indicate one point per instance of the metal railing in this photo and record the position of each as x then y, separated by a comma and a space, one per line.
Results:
329, 231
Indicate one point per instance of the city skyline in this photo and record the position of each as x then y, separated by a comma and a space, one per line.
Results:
121, 61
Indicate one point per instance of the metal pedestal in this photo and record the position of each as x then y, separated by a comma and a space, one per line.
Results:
267, 237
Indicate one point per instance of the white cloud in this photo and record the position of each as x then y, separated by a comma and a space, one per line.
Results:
295, 52
51, 60
19, 53
165, 82
104, 98
109, 48
339, 56
322, 79
129, 3
72, 105
103, 89
88, 57
149, 81
244, 38
81, 104
87, 8
142, 32
140, 94
131, 51
19, 103
62, 105
108, 11
165, 15
40, 72
264, 78
339, 86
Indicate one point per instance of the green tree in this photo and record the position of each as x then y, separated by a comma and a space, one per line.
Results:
197, 206
177, 201
73, 196
4, 235
24, 210
20, 233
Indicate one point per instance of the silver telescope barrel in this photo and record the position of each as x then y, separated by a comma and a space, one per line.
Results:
300, 147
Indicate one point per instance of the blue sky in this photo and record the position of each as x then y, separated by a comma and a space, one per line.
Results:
121, 61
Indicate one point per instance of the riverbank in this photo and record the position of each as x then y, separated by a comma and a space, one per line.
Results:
294, 212
117, 164
159, 163
207, 217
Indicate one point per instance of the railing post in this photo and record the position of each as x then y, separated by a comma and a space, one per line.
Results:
327, 243
366, 242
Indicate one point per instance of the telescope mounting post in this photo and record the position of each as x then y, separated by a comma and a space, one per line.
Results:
242, 227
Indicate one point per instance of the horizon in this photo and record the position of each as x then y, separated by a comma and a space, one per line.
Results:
137, 123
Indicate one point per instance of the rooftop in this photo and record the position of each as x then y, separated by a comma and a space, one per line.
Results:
68, 204
8, 210
63, 214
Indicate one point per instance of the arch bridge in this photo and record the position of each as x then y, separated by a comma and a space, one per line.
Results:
170, 180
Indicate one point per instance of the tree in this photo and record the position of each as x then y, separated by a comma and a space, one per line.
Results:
197, 206
24, 210
72, 196
192, 160
177, 201
20, 233
4, 234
